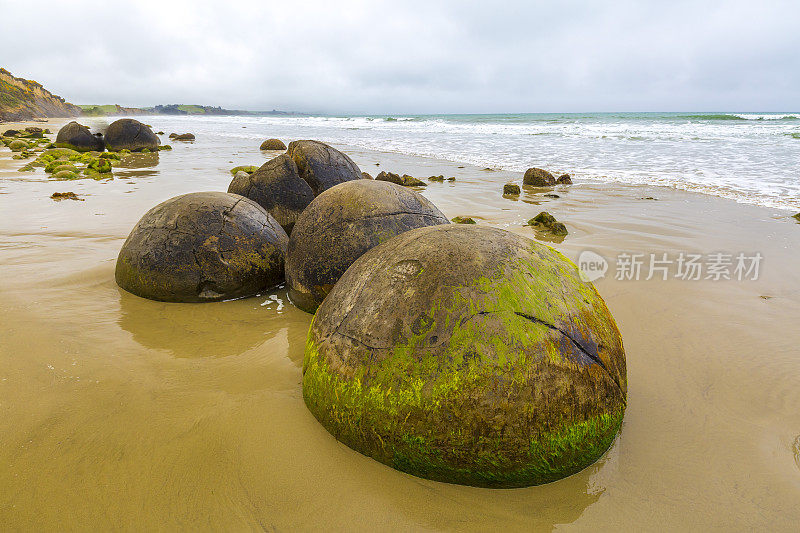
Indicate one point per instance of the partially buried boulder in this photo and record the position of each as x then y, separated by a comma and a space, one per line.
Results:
322, 166
130, 134
467, 355
184, 137
546, 222
202, 247
273, 144
405, 180
564, 179
18, 146
278, 188
78, 137
538, 177
343, 223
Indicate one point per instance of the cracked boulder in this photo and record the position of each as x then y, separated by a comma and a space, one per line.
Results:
202, 247
78, 137
278, 188
130, 134
343, 223
470, 355
322, 166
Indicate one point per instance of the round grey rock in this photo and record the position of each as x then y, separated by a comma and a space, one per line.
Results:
278, 188
343, 223
322, 166
201, 247
78, 137
130, 134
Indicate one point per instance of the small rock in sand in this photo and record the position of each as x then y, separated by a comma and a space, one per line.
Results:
58, 196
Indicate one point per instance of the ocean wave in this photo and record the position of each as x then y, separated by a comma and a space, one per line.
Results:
743, 116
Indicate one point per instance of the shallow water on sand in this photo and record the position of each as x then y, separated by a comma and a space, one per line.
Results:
122, 413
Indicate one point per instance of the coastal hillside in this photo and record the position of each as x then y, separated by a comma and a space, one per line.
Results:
22, 99
175, 109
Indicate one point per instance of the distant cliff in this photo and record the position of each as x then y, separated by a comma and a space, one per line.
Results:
22, 99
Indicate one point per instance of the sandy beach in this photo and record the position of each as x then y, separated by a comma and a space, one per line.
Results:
122, 413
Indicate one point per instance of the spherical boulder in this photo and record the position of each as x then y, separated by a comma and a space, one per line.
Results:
201, 247
538, 177
78, 137
467, 355
273, 144
130, 134
322, 166
278, 188
343, 223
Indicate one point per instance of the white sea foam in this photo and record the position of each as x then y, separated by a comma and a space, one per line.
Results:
752, 158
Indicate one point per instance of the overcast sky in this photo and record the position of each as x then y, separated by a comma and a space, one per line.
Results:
412, 57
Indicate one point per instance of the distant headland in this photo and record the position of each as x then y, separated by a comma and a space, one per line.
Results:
22, 99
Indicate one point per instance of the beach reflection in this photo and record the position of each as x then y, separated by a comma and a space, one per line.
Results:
218, 329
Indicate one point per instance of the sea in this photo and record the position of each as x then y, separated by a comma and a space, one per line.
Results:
747, 157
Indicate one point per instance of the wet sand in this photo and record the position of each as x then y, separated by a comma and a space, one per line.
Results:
122, 413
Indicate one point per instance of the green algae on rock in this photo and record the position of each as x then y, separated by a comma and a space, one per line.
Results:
546, 222
201, 247
244, 168
18, 146
405, 180
463, 220
62, 175
507, 371
511, 189
340, 225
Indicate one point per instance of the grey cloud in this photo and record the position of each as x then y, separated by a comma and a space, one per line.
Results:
396, 57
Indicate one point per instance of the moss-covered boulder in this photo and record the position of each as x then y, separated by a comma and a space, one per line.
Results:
202, 247
278, 188
273, 144
77, 137
130, 134
546, 222
249, 169
538, 177
564, 179
340, 225
463, 220
511, 189
467, 355
65, 166
65, 175
322, 166
405, 180
18, 145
